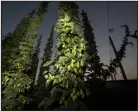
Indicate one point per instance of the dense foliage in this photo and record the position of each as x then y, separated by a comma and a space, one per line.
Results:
94, 66
48, 49
76, 64
17, 48
42, 90
68, 79
12, 76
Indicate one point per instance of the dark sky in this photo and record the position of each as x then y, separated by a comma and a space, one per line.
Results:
120, 13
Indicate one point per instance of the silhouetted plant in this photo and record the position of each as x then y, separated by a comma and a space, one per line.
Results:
93, 65
121, 53
42, 92
48, 49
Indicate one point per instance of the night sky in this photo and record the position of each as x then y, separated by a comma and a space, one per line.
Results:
120, 13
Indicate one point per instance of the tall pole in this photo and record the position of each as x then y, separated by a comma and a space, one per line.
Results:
120, 65
37, 72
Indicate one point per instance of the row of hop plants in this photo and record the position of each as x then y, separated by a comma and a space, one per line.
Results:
17, 48
75, 55
76, 51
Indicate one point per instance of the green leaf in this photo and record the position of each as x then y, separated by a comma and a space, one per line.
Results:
46, 76
82, 63
80, 70
73, 61
48, 63
69, 67
73, 98
74, 90
63, 45
72, 65
57, 66
54, 82
45, 72
48, 82
81, 91
75, 70
67, 18
80, 55
78, 65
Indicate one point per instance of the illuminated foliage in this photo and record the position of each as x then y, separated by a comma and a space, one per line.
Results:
76, 54
12, 66
67, 82
11, 42
47, 53
17, 50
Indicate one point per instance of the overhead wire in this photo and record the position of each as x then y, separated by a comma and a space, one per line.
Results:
108, 19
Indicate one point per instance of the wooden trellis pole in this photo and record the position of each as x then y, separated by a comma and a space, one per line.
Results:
120, 65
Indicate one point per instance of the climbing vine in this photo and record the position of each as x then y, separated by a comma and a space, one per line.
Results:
121, 53
15, 79
76, 55
48, 48
94, 66
67, 82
